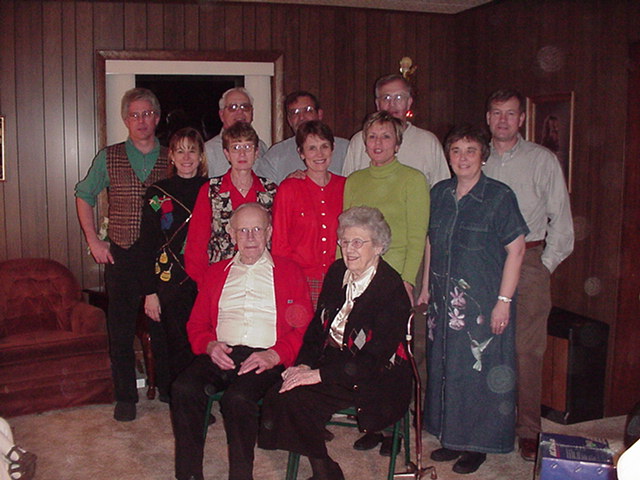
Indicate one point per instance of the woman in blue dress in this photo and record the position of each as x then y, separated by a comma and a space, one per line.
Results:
472, 265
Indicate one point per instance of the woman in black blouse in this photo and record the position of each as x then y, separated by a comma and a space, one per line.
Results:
170, 292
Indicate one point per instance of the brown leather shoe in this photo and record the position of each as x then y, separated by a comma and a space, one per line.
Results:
528, 448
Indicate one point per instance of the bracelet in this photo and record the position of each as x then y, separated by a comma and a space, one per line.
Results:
504, 299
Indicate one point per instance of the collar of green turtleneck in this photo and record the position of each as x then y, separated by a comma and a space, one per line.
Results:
385, 170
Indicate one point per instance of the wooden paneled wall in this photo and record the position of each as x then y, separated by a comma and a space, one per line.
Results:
47, 87
585, 48
47, 93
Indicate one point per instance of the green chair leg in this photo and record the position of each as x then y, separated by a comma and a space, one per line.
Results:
206, 417
292, 466
294, 459
213, 397
407, 438
397, 444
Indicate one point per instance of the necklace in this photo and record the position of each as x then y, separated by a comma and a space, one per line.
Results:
242, 188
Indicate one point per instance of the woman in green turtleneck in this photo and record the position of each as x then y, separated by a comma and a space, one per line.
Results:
401, 193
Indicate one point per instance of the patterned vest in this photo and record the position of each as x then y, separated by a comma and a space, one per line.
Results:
220, 246
126, 193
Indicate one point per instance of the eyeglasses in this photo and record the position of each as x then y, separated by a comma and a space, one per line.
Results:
145, 114
294, 112
245, 107
395, 98
356, 243
246, 231
242, 147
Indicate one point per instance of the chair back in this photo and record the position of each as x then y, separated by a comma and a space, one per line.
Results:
36, 294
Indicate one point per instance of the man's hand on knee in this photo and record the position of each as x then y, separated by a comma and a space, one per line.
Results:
219, 354
259, 361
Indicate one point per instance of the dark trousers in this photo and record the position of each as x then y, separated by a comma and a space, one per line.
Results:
176, 302
239, 407
296, 420
125, 292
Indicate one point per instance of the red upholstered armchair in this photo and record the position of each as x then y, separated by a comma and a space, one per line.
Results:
53, 346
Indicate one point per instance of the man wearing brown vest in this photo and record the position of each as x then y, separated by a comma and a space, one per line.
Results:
126, 169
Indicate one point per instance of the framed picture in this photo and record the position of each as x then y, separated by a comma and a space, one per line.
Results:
2, 171
550, 123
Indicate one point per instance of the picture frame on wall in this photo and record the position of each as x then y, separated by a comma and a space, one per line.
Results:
2, 170
550, 124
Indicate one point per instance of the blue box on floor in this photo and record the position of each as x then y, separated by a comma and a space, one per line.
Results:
565, 457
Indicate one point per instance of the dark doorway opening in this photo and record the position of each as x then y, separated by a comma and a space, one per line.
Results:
188, 101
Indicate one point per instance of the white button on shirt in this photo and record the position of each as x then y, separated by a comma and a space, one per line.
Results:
247, 306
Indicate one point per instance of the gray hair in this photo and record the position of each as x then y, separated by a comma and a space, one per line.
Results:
136, 94
370, 219
223, 99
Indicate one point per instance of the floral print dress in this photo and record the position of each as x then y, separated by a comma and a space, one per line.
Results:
471, 391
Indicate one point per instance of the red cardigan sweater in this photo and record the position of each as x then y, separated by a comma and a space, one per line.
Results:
293, 307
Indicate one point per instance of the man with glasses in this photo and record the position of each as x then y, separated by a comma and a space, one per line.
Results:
126, 169
236, 105
283, 157
420, 149
246, 327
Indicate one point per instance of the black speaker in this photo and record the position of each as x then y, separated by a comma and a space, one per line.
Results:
574, 370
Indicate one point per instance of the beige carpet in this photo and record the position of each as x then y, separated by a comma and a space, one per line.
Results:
87, 444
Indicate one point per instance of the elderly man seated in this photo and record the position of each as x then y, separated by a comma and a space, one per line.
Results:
246, 327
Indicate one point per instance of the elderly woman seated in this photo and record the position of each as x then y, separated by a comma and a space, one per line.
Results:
353, 351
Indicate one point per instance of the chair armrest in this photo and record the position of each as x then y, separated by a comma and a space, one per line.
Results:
86, 318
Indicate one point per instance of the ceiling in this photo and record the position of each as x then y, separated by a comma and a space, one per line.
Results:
431, 6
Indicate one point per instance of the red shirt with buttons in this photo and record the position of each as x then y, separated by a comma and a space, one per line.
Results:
305, 220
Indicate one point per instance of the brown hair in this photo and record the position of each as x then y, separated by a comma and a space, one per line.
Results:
504, 94
189, 136
238, 132
314, 127
472, 134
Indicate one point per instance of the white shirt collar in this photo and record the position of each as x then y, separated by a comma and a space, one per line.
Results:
265, 258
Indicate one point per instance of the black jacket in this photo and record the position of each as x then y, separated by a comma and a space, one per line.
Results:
382, 381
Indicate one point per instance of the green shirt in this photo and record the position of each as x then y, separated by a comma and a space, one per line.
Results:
97, 178
401, 193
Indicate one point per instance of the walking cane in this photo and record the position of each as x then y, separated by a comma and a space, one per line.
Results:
415, 470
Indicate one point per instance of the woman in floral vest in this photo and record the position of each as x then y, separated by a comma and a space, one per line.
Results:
208, 240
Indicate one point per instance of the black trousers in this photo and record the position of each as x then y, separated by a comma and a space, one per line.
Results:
125, 293
176, 301
239, 407
295, 420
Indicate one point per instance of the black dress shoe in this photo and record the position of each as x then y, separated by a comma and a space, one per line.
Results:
469, 462
325, 469
387, 446
125, 411
445, 455
368, 441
